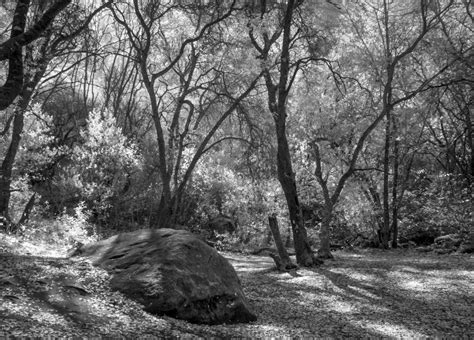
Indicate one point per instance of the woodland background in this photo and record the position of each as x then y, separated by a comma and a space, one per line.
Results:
350, 121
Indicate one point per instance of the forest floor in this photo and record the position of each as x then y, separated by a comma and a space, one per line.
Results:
362, 293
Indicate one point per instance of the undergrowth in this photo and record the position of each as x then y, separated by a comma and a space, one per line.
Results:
50, 236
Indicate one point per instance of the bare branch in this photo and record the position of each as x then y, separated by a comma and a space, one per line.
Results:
23, 39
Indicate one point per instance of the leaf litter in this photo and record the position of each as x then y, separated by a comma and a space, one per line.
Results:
366, 293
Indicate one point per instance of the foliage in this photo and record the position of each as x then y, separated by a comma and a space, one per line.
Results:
63, 230
217, 190
437, 205
37, 157
101, 167
176, 130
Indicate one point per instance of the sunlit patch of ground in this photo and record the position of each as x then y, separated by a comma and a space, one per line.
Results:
392, 294
370, 293
23, 246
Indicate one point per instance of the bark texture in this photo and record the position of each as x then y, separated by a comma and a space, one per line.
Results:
282, 261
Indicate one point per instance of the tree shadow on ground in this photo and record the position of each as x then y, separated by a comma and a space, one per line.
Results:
372, 295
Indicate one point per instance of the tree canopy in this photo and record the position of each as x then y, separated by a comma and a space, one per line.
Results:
348, 121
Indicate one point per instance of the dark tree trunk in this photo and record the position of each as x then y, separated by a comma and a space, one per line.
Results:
324, 251
31, 79
283, 261
164, 214
470, 144
387, 109
277, 97
12, 48
378, 210
9, 160
395, 184
385, 232
286, 177
14, 82
26, 212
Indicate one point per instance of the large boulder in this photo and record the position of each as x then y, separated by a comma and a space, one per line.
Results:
172, 272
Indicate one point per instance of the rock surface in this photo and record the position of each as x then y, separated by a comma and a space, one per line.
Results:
172, 272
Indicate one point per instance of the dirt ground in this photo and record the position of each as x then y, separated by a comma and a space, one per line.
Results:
374, 293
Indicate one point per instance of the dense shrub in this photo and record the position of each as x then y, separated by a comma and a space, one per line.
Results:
217, 190
63, 230
98, 171
436, 205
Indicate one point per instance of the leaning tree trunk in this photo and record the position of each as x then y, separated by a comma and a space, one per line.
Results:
30, 80
286, 178
278, 95
17, 130
8, 92
282, 261
9, 160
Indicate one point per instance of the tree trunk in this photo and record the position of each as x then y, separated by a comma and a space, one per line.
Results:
470, 144
283, 261
9, 160
12, 48
278, 94
387, 108
396, 143
324, 251
26, 212
14, 82
30, 81
385, 232
374, 197
164, 214
286, 178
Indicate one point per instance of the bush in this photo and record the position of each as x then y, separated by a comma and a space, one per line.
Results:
65, 230
438, 205
99, 172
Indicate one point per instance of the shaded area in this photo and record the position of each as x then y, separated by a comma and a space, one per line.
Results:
42, 296
371, 293
359, 294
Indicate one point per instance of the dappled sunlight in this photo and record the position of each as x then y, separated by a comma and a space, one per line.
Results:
339, 306
409, 269
388, 328
302, 280
349, 297
23, 246
368, 296
359, 276
413, 286
241, 262
303, 169
364, 293
47, 317
433, 284
349, 308
256, 266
